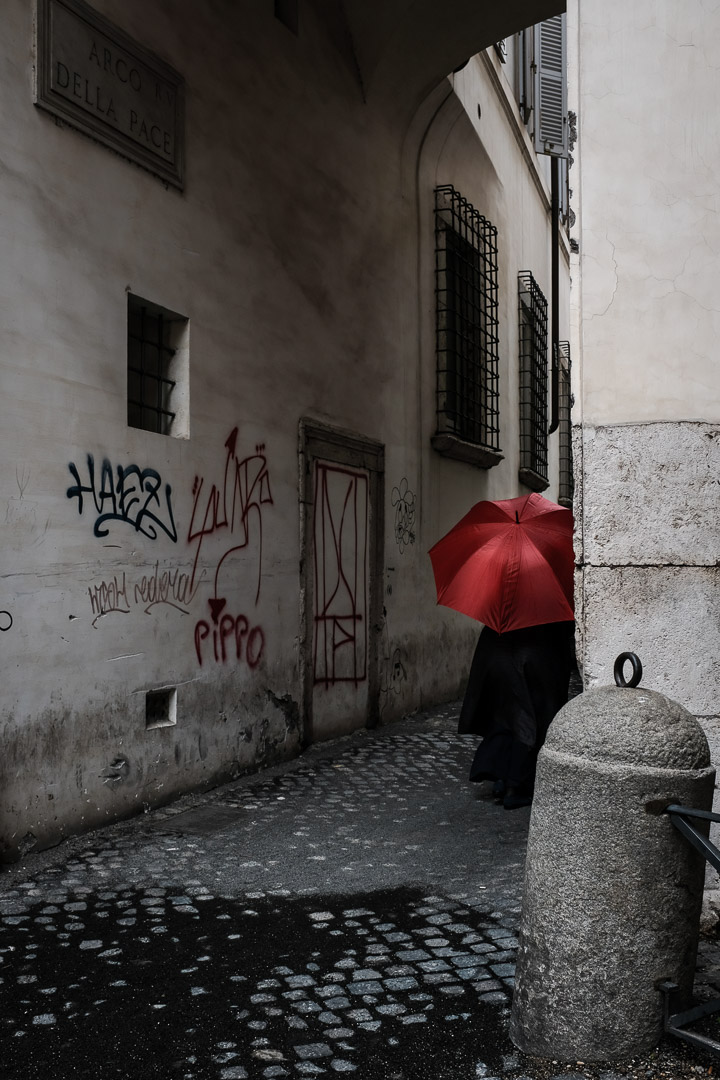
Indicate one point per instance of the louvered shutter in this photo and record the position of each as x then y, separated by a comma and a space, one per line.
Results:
551, 126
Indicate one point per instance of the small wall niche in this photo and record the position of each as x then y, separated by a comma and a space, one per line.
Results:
161, 708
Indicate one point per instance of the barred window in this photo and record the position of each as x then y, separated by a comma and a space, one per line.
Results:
466, 285
533, 384
157, 375
567, 480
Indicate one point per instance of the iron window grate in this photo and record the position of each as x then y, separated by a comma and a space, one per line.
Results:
533, 383
565, 402
149, 355
466, 289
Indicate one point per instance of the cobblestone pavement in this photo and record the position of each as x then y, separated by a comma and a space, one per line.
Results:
354, 911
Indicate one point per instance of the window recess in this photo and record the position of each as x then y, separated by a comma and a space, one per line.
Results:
466, 290
157, 369
533, 383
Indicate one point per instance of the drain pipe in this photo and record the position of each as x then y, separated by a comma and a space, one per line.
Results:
555, 288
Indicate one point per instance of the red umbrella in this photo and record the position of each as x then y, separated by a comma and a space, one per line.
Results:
508, 563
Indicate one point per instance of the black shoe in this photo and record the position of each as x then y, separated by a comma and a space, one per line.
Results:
498, 789
515, 798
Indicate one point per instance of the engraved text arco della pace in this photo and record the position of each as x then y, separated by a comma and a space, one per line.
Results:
96, 78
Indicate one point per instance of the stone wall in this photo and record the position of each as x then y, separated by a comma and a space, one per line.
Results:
650, 515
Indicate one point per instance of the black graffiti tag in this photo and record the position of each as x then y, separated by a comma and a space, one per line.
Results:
134, 497
404, 502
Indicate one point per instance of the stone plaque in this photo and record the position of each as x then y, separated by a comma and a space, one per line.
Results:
93, 76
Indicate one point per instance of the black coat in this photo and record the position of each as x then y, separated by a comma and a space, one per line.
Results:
518, 682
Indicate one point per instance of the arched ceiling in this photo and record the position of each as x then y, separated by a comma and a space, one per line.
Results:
404, 48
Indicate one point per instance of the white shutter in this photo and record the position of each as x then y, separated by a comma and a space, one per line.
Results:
551, 126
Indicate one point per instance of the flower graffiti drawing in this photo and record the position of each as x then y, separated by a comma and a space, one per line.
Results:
404, 502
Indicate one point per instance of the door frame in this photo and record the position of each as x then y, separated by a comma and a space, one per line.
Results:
341, 447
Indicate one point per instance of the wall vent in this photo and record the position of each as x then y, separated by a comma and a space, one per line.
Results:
161, 708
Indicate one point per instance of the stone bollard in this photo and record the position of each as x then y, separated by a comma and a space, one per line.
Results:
613, 892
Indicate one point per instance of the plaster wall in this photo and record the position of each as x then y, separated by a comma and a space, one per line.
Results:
648, 190
644, 341
301, 252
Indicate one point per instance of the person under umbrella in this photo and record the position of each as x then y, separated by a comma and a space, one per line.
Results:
509, 564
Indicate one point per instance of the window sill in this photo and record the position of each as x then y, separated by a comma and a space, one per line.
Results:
533, 480
473, 453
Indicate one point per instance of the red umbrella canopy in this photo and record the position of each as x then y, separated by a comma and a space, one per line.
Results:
508, 563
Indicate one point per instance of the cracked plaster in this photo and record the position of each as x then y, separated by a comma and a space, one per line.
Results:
647, 175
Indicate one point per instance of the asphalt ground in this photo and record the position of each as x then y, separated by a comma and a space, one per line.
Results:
353, 911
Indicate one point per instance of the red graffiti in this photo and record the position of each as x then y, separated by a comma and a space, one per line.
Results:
340, 593
232, 633
236, 507
233, 506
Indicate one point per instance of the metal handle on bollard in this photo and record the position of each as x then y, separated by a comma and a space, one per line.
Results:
618, 670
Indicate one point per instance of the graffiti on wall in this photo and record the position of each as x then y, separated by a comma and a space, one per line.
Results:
393, 673
107, 597
340, 551
233, 637
128, 494
6, 620
233, 507
230, 508
393, 661
169, 588
172, 588
403, 500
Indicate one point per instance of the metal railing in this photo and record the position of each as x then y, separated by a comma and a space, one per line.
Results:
677, 1023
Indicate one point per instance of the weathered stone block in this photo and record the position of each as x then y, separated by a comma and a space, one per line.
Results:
669, 616
651, 494
612, 890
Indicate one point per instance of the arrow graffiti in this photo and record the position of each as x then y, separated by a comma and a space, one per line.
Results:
235, 506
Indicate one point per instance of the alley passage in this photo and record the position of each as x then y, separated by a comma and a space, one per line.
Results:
351, 912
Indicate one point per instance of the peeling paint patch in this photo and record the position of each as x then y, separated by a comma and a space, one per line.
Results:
27, 844
116, 771
288, 707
